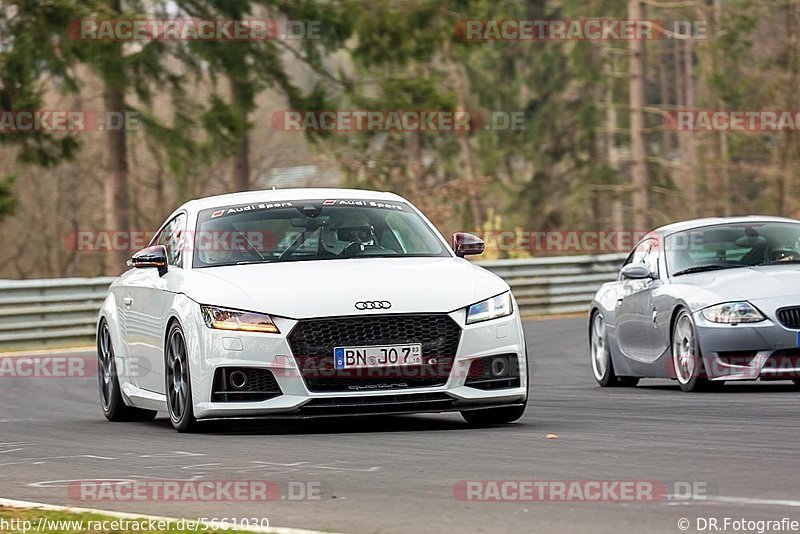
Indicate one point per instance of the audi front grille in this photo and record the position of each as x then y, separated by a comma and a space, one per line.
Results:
312, 342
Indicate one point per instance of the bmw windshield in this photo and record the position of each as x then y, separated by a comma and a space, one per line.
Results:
728, 246
311, 230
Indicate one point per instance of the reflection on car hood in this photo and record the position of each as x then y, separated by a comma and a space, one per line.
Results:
773, 281
304, 289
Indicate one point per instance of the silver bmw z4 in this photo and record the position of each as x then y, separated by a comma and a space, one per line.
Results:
702, 302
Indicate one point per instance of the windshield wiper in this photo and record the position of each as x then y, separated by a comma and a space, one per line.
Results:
704, 268
247, 262
252, 246
778, 262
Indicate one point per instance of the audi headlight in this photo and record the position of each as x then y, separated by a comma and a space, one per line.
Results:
227, 319
733, 313
492, 308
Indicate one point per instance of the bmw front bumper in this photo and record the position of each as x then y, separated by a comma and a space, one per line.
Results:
766, 350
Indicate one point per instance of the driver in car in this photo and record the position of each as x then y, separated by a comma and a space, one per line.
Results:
349, 234
787, 254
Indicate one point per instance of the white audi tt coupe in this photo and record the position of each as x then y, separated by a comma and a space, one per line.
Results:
308, 303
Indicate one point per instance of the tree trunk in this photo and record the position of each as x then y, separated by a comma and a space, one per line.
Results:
690, 137
665, 92
241, 164
242, 94
724, 169
116, 187
714, 149
117, 202
640, 179
613, 156
785, 179
470, 175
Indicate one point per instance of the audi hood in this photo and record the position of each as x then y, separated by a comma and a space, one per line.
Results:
323, 288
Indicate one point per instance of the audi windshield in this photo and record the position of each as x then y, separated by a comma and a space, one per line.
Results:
312, 230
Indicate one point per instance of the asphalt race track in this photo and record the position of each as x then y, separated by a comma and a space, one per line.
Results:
740, 447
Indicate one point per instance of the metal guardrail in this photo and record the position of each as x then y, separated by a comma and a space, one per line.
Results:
563, 284
55, 312
62, 312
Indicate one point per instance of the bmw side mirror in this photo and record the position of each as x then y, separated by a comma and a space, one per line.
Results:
465, 244
636, 271
155, 256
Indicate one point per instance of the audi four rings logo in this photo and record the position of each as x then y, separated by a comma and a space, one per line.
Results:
373, 305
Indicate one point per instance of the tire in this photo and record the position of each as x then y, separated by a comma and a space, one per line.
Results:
178, 385
494, 416
600, 356
111, 401
687, 361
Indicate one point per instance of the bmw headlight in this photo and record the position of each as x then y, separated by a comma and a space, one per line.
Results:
492, 308
227, 319
733, 313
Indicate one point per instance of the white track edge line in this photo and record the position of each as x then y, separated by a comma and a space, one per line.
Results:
46, 351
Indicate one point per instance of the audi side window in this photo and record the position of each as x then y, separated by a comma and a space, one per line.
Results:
171, 236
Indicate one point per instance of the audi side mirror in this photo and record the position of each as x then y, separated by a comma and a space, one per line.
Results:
636, 271
155, 256
465, 244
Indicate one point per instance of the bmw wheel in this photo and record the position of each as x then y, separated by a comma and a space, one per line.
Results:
114, 407
602, 366
686, 357
178, 386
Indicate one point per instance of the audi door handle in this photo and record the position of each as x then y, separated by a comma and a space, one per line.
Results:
128, 301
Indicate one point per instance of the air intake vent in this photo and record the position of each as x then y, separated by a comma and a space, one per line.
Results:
244, 384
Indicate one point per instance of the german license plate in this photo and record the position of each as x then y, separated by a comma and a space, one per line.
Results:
377, 356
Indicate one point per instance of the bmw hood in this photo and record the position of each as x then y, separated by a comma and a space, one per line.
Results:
753, 284
325, 288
